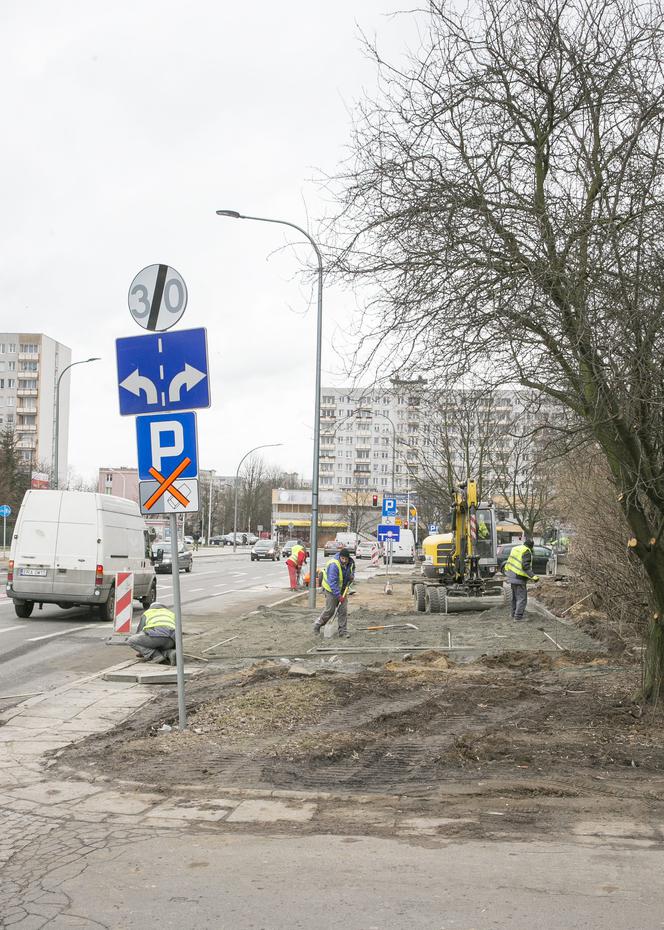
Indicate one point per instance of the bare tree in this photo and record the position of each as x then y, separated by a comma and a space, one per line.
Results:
506, 200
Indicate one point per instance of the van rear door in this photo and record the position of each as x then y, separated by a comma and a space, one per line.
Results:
35, 543
76, 548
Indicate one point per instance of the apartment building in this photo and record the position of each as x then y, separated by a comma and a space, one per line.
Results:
387, 439
370, 438
30, 365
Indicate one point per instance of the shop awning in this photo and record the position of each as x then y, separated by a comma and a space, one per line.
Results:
303, 523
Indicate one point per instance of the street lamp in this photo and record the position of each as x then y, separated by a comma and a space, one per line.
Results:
233, 214
269, 445
209, 532
57, 415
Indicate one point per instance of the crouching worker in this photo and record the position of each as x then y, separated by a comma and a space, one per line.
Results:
155, 639
337, 579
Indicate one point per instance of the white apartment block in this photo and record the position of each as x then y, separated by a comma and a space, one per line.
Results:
410, 425
30, 365
366, 434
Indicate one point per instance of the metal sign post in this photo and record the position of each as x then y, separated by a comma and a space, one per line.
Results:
5, 511
177, 610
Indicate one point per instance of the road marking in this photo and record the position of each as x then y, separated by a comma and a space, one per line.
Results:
8, 629
239, 574
74, 629
194, 590
224, 585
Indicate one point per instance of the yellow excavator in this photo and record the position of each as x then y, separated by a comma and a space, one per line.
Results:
460, 566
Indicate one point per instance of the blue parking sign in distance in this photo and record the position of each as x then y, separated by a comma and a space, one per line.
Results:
163, 441
433, 527
163, 371
389, 506
387, 532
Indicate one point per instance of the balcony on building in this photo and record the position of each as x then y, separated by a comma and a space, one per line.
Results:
26, 392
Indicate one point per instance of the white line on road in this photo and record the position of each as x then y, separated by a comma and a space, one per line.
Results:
8, 629
194, 590
74, 629
239, 574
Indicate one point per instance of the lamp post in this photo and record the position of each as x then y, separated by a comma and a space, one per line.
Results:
56, 455
233, 214
209, 532
269, 445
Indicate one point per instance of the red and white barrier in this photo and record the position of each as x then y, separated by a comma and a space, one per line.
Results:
124, 596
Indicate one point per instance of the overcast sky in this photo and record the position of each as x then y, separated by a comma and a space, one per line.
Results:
125, 126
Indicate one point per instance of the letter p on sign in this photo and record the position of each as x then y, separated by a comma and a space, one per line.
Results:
167, 441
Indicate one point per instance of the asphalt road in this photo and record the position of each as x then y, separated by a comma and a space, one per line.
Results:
55, 646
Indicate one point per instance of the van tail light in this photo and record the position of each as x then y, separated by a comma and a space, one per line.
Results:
99, 576
10, 572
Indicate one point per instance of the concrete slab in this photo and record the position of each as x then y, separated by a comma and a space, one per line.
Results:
54, 792
257, 811
151, 675
213, 810
115, 802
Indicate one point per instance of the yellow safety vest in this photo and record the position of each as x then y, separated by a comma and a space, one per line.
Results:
294, 553
515, 562
326, 583
159, 617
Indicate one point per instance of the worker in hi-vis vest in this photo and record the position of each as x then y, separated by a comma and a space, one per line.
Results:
518, 571
155, 639
338, 576
294, 564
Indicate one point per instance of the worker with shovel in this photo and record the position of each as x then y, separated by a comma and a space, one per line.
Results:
337, 578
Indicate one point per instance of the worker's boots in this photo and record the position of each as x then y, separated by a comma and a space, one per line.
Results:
171, 656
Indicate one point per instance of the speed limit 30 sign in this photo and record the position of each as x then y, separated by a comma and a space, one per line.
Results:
157, 297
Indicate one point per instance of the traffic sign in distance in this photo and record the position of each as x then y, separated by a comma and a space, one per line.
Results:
163, 441
433, 527
5, 510
157, 297
387, 532
165, 371
389, 506
168, 495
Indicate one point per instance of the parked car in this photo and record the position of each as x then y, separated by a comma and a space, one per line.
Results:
217, 541
331, 548
164, 560
545, 561
266, 549
287, 547
189, 540
365, 548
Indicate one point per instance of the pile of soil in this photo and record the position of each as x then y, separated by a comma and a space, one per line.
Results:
397, 727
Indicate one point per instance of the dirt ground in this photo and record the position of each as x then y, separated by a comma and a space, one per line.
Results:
427, 724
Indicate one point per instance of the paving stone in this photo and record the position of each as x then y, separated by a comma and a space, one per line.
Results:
12, 733
213, 810
54, 792
255, 811
114, 802
33, 723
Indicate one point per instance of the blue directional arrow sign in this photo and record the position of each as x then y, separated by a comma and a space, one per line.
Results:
164, 441
5, 510
163, 371
387, 532
389, 506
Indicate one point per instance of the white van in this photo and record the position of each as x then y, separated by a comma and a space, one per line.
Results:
402, 551
67, 547
347, 541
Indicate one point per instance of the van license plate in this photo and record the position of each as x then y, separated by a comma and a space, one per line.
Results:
39, 572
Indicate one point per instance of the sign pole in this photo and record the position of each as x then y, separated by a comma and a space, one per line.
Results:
177, 610
4, 535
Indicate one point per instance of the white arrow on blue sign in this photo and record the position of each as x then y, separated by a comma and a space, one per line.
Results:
387, 532
5, 510
164, 371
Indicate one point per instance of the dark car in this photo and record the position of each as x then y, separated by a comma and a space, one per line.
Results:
544, 558
266, 549
161, 553
287, 547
